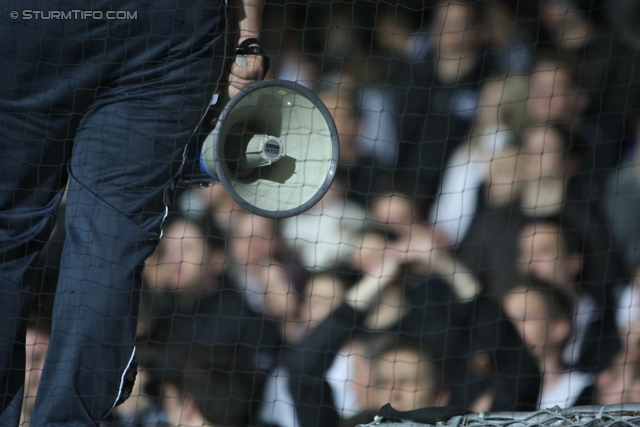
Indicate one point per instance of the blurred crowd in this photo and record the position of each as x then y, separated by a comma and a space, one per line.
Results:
479, 247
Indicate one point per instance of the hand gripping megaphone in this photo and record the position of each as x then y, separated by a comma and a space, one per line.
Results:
274, 148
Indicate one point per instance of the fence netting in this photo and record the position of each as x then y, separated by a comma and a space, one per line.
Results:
618, 414
479, 246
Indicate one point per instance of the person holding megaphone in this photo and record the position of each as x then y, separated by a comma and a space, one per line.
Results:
103, 109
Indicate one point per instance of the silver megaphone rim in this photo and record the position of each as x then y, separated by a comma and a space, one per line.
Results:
333, 162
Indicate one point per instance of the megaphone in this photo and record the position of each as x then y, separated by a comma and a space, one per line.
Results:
274, 148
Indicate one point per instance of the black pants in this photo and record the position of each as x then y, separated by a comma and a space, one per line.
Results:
108, 104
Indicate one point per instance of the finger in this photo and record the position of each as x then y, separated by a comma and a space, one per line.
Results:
240, 77
252, 71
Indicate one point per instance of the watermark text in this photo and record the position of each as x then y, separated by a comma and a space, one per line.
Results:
28, 14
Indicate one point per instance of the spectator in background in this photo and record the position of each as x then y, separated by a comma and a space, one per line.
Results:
628, 306
213, 201
540, 188
403, 374
475, 368
621, 202
197, 306
338, 93
254, 241
263, 268
288, 40
608, 77
512, 185
620, 382
510, 36
323, 236
279, 294
343, 36
489, 244
394, 212
332, 389
543, 316
435, 98
407, 376
498, 120
439, 308
37, 342
549, 253
554, 92
545, 171
533, 187
395, 38
323, 292
186, 266
309, 362
211, 388
555, 97
544, 168
394, 221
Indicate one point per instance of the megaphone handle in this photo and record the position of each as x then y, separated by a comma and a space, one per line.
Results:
241, 61
246, 48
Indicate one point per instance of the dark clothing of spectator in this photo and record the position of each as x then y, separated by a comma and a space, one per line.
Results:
447, 329
490, 249
609, 76
620, 207
490, 246
218, 321
433, 118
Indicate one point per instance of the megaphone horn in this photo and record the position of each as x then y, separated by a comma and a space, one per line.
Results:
274, 148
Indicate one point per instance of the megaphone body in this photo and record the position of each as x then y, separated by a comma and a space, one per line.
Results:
274, 148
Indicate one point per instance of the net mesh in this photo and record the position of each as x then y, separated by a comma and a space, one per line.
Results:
621, 414
479, 246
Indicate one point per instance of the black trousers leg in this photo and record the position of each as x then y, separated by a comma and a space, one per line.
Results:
128, 94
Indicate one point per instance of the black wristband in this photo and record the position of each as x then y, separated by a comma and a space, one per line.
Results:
244, 48
245, 43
